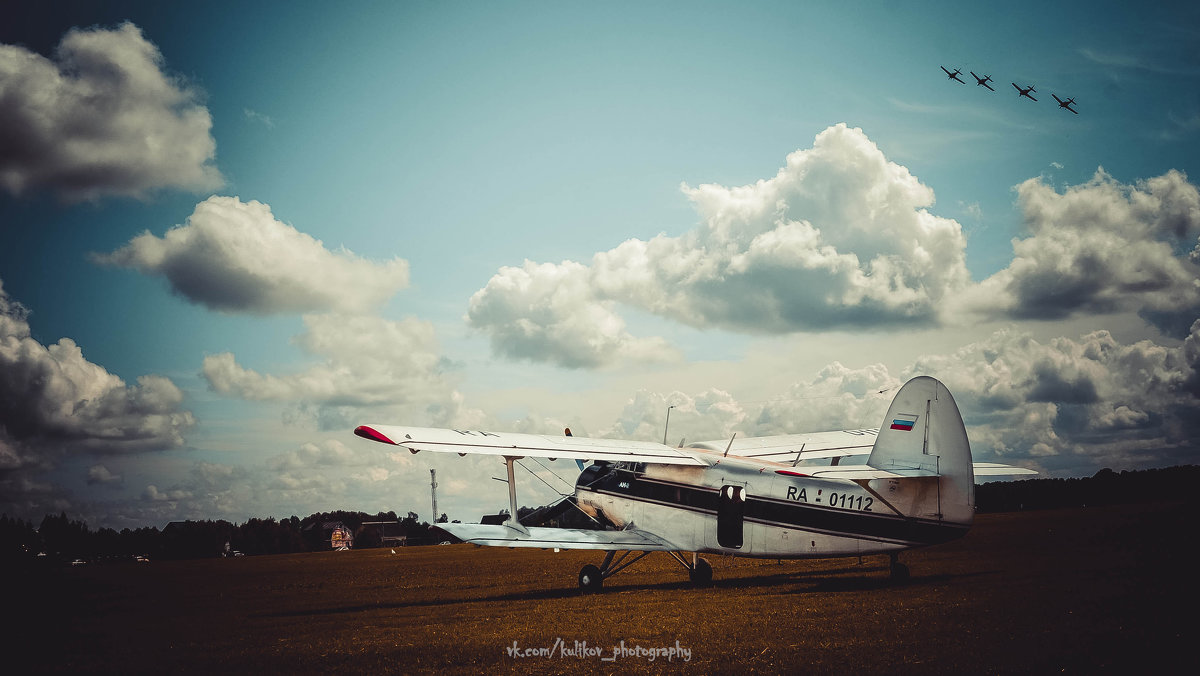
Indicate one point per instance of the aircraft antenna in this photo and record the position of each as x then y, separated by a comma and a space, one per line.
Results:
730, 444
799, 453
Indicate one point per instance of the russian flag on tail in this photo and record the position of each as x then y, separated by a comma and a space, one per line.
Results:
904, 422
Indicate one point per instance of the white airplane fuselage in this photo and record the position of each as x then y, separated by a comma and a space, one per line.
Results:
757, 509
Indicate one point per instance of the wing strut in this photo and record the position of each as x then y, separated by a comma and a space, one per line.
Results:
512, 522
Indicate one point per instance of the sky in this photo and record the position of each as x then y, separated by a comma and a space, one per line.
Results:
229, 234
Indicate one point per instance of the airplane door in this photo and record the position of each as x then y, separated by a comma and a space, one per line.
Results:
731, 509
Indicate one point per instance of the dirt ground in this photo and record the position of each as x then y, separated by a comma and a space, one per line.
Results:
1067, 591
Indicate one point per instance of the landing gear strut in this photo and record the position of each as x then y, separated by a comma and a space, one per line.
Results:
898, 570
591, 578
700, 573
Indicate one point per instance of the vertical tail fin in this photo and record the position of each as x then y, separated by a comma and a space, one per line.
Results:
923, 430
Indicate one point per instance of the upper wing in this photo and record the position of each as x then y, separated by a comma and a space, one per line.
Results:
791, 448
563, 538
527, 445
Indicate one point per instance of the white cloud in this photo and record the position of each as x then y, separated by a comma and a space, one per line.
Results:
255, 116
1076, 403
1070, 406
837, 398
546, 312
99, 474
53, 401
173, 495
374, 474
840, 237
101, 118
368, 363
234, 256
712, 414
1102, 247
328, 453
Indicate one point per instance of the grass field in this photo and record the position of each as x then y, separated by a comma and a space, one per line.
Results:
1074, 591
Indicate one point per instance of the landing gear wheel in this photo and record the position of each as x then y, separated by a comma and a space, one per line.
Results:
590, 579
701, 575
899, 572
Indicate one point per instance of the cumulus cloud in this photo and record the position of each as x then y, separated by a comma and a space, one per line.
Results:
842, 238
328, 453
547, 312
1081, 403
1069, 406
1102, 247
173, 495
99, 474
53, 400
368, 362
836, 398
234, 256
839, 237
101, 117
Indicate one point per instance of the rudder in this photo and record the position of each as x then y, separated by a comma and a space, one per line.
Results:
923, 430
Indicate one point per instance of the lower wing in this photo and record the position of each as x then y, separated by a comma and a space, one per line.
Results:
561, 538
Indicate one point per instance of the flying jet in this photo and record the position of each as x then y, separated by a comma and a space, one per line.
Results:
982, 81
1025, 92
754, 497
1066, 104
954, 75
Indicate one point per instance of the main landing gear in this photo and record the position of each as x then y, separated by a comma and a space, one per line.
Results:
591, 578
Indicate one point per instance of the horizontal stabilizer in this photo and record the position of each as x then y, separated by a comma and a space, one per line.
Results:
855, 472
561, 538
996, 469
858, 472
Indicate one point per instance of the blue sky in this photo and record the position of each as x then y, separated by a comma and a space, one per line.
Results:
261, 226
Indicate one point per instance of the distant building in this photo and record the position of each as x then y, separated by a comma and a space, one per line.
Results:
340, 538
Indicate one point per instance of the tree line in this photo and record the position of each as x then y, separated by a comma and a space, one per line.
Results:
61, 538
1105, 487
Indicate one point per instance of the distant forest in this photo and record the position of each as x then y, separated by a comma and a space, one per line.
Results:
1105, 487
61, 539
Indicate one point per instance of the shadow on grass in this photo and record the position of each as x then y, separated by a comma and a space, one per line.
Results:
846, 579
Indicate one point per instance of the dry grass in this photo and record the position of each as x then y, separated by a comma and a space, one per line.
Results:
1071, 590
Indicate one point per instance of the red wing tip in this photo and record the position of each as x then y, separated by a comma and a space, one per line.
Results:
367, 432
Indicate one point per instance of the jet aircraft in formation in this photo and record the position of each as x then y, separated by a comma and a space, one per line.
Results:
1021, 91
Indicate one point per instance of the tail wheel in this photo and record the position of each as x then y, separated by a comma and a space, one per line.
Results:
590, 578
899, 572
702, 574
